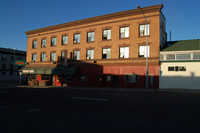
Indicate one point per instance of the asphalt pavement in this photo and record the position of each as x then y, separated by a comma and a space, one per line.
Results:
99, 110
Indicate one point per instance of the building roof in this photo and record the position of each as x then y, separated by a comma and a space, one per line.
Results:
98, 18
184, 45
12, 51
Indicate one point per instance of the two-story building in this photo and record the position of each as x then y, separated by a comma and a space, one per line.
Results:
106, 51
180, 62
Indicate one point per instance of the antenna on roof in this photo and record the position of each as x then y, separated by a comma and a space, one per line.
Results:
170, 36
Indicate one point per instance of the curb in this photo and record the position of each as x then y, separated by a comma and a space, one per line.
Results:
107, 89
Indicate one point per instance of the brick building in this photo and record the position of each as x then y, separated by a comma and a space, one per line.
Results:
106, 51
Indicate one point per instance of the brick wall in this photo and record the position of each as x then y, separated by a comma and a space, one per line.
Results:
114, 23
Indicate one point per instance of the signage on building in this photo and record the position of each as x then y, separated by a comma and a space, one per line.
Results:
28, 71
20, 63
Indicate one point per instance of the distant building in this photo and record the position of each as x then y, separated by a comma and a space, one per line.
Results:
105, 51
9, 71
180, 65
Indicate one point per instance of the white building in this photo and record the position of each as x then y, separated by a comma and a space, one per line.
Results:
180, 65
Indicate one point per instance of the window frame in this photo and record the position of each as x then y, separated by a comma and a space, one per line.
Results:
143, 33
107, 49
92, 54
123, 52
66, 39
91, 34
107, 34
75, 40
43, 44
131, 81
42, 57
4, 57
144, 55
33, 57
62, 58
177, 68
121, 33
78, 53
34, 44
53, 56
52, 42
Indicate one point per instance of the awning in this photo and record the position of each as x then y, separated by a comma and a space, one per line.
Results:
60, 70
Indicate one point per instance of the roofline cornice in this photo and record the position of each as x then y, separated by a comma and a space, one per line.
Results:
98, 18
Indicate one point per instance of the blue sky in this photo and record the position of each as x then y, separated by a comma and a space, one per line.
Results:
19, 16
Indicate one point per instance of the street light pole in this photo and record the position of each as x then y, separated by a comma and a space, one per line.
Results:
147, 71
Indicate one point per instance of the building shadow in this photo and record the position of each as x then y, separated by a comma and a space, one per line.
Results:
91, 73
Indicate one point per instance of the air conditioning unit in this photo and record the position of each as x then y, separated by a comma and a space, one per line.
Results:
33, 60
43, 45
75, 41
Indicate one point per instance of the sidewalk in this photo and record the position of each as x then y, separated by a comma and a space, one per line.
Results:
113, 89
6, 85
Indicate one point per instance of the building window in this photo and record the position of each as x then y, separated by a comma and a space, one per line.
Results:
33, 57
90, 54
170, 56
108, 78
76, 55
144, 30
3, 73
53, 41
3, 67
131, 78
183, 56
196, 55
77, 38
181, 68
170, 68
106, 34
115, 79
43, 43
11, 58
143, 51
83, 77
106, 53
99, 78
62, 55
43, 57
176, 68
64, 40
124, 32
11, 73
53, 56
4, 57
124, 52
11, 69
34, 45
90, 36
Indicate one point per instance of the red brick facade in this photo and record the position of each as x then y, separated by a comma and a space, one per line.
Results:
97, 69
